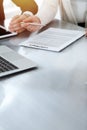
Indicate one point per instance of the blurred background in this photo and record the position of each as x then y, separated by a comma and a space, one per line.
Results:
11, 9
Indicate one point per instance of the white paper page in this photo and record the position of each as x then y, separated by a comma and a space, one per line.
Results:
53, 39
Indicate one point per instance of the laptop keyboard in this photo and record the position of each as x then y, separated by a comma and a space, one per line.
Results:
6, 65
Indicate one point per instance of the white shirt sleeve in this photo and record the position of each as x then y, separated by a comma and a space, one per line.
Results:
47, 11
28, 13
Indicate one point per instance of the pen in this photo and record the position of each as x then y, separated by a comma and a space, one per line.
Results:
35, 24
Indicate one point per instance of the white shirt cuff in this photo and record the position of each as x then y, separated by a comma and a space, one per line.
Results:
28, 13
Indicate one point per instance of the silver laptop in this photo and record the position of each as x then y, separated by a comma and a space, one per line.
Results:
11, 62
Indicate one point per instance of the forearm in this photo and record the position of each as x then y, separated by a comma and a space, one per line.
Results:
47, 11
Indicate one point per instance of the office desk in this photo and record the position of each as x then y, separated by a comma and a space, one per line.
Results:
51, 97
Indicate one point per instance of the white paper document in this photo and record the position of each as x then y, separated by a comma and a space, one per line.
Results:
53, 39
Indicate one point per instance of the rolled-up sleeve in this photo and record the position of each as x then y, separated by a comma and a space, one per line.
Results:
47, 11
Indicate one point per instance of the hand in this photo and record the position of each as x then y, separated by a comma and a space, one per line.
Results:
31, 19
15, 23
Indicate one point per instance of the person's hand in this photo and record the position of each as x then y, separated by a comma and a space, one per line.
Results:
15, 23
32, 19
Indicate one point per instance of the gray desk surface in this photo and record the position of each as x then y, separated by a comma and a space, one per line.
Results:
52, 97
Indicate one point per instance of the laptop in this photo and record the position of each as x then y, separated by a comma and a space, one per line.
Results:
53, 39
11, 62
5, 33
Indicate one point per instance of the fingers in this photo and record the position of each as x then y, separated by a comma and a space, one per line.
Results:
21, 22
15, 17
15, 24
30, 28
18, 18
31, 19
20, 30
16, 28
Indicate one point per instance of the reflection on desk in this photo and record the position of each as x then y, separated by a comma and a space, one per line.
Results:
53, 97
